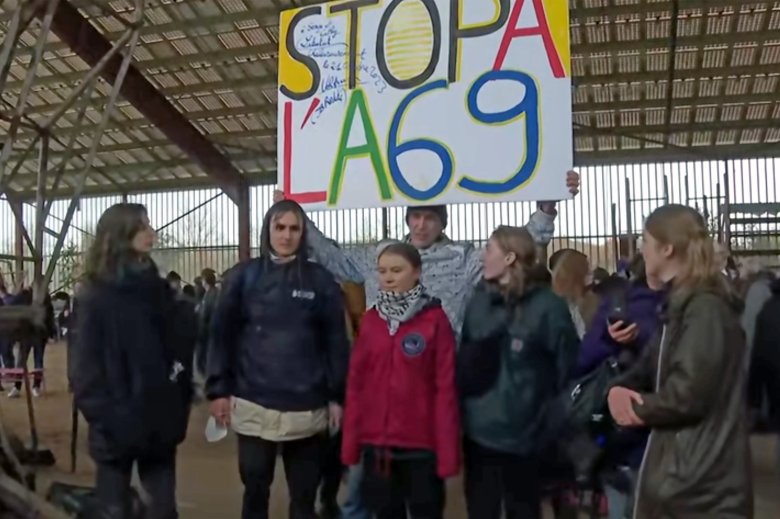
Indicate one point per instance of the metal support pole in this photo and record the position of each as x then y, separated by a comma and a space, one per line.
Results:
666, 189
615, 234
629, 220
727, 203
39, 287
244, 223
19, 236
385, 224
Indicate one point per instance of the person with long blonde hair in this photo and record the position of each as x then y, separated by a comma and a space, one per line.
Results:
689, 385
570, 281
518, 347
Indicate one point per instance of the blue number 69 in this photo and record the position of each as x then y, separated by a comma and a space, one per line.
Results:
529, 108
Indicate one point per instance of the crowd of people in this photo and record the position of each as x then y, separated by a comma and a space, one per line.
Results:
401, 364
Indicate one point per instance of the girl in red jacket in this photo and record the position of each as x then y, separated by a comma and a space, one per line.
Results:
402, 417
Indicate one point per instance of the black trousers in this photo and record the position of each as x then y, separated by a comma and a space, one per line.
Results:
302, 465
158, 478
493, 478
400, 485
332, 473
38, 347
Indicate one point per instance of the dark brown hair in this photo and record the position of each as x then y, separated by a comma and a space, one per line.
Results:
406, 250
112, 251
209, 277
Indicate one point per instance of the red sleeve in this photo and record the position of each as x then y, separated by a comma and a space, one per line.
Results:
350, 443
447, 411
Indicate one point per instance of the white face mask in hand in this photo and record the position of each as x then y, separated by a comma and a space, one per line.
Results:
215, 432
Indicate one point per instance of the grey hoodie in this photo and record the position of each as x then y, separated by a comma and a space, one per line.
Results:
450, 270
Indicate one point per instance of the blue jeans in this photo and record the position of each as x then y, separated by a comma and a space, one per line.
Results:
353, 506
617, 502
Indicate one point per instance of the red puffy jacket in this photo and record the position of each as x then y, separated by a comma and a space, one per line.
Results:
401, 389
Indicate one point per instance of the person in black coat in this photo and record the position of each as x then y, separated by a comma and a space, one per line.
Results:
277, 363
131, 369
35, 341
764, 381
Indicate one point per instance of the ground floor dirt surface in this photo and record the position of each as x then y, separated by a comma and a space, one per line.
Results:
208, 482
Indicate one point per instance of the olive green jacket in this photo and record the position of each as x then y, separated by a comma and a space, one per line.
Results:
693, 383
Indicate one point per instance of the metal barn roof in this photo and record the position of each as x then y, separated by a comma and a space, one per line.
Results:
654, 80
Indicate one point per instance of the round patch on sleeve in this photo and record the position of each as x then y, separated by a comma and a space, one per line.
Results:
413, 344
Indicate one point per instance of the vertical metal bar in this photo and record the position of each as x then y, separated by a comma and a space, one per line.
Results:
629, 220
16, 208
385, 224
727, 204
244, 223
615, 234
666, 189
39, 288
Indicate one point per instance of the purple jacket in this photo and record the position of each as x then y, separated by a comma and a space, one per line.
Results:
643, 308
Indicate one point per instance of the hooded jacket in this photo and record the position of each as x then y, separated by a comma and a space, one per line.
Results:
131, 365
449, 270
278, 337
692, 383
535, 342
401, 391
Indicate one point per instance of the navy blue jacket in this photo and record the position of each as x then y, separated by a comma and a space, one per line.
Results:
131, 334
278, 336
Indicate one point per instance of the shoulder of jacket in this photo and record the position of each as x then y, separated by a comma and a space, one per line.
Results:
705, 302
544, 296
320, 273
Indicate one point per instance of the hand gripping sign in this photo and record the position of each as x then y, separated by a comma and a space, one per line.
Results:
404, 102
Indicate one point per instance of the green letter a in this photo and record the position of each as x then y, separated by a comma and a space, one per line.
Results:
357, 102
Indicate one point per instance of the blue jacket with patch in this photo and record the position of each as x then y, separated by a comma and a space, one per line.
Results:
278, 337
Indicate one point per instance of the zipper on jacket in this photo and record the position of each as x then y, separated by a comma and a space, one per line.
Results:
639, 478
382, 449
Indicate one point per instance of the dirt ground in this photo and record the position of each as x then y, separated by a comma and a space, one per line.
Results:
208, 483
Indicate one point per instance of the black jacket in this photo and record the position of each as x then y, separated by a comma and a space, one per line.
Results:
131, 365
765, 362
692, 380
278, 336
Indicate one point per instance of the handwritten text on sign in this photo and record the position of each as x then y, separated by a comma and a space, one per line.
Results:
412, 102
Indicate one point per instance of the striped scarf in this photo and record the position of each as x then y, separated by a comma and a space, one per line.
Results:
397, 308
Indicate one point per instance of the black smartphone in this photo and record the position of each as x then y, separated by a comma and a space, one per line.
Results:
619, 313
624, 320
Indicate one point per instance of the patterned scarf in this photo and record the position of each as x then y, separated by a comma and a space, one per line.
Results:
397, 308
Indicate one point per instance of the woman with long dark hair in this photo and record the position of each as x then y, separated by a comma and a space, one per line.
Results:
131, 374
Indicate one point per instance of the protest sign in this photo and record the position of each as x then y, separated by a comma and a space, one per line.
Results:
416, 102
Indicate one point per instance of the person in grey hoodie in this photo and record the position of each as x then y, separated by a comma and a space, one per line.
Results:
450, 272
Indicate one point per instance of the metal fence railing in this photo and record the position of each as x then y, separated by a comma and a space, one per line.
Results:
199, 228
